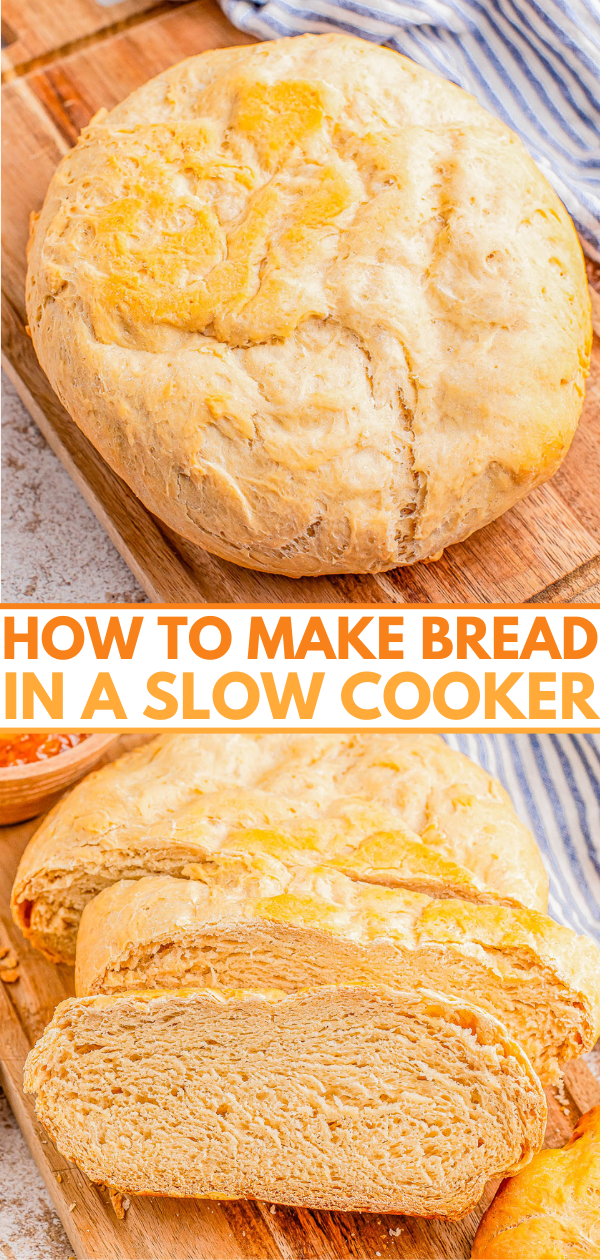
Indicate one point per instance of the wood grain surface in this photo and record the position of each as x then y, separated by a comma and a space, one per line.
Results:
40, 29
172, 1229
76, 57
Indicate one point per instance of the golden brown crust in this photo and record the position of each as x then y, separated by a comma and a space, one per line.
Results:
293, 293
551, 1209
318, 1094
406, 806
292, 928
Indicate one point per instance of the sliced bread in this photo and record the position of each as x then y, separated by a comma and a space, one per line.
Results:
274, 928
343, 1097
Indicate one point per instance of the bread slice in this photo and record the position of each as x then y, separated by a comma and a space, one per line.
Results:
180, 798
289, 930
552, 1208
347, 1097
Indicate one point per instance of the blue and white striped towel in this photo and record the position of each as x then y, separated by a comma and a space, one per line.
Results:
533, 63
554, 784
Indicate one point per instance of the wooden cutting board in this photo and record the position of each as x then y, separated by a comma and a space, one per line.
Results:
62, 62
173, 1229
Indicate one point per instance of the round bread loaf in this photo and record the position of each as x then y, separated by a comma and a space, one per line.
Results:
319, 309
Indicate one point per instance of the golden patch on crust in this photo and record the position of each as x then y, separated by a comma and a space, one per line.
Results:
168, 259
279, 115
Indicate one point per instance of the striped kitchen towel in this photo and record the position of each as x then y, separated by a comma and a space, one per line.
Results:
533, 63
554, 784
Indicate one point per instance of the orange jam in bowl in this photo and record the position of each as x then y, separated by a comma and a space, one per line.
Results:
25, 750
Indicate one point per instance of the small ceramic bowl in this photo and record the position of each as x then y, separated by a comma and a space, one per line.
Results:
31, 789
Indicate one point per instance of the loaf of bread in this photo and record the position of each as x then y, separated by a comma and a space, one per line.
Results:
319, 309
550, 1210
345, 1097
364, 801
318, 927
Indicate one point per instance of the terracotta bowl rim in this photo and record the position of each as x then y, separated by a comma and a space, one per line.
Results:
95, 744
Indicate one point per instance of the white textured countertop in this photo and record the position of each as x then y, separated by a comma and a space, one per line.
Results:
53, 548
29, 1226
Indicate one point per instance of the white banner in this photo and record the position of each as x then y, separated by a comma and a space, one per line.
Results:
100, 668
